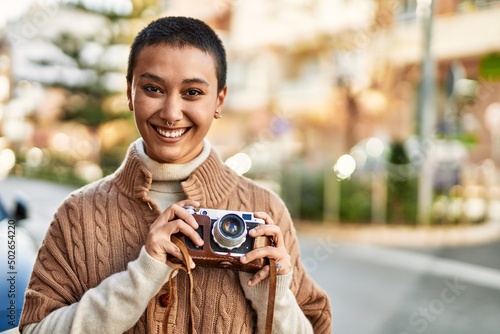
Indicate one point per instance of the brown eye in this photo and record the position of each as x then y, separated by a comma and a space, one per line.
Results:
152, 89
192, 92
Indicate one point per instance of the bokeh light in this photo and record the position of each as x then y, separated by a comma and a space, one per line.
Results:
345, 166
7, 161
240, 163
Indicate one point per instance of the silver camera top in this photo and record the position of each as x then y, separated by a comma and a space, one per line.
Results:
229, 229
190, 209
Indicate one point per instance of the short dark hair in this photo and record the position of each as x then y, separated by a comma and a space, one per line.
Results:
181, 32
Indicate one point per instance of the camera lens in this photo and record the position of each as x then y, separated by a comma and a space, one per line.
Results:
230, 231
231, 227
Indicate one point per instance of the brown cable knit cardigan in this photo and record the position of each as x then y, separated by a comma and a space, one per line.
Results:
102, 227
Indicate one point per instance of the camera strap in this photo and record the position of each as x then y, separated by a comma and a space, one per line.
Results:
272, 296
185, 267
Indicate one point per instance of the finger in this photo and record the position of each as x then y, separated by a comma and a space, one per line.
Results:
188, 202
267, 230
178, 254
162, 232
262, 252
176, 211
182, 213
259, 276
178, 265
159, 245
181, 226
159, 248
272, 231
264, 216
279, 268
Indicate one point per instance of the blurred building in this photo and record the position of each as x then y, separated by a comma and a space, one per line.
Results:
287, 71
316, 78
466, 49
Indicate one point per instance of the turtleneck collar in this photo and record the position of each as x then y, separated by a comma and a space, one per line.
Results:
210, 183
171, 172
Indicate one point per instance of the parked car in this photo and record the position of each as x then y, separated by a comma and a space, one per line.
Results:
17, 255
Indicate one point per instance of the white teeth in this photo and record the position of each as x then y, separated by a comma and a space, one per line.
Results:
171, 134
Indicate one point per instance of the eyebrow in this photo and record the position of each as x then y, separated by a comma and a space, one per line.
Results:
197, 80
152, 77
185, 81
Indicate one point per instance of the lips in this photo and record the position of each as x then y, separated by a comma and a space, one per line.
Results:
175, 133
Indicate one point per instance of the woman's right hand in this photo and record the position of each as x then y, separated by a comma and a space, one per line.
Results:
171, 221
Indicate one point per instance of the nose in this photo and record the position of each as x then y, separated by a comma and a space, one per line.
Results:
171, 109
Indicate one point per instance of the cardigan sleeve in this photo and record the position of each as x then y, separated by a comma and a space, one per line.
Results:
311, 299
57, 300
288, 317
113, 306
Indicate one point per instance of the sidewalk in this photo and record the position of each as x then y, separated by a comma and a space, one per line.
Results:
404, 236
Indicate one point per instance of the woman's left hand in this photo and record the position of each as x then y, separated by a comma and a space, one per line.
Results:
277, 252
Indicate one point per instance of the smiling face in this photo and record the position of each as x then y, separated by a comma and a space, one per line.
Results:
174, 85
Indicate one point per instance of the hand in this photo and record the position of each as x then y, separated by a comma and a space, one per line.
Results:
278, 252
171, 221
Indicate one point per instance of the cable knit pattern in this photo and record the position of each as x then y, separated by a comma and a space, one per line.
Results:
98, 207
100, 229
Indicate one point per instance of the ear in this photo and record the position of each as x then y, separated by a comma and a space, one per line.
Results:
129, 96
221, 98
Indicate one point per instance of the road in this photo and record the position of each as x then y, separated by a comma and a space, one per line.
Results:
376, 290
373, 290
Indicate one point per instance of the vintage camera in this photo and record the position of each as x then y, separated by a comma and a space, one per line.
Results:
226, 238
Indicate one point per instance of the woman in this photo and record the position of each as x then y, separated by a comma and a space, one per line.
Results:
103, 267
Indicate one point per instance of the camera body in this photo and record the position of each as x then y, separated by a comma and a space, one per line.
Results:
226, 239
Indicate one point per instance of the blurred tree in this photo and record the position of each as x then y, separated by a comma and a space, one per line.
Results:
95, 95
401, 187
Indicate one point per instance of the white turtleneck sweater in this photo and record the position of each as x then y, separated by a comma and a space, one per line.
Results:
166, 186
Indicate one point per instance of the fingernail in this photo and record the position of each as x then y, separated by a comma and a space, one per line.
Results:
243, 259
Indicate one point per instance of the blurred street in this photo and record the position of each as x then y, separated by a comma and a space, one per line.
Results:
373, 290
377, 290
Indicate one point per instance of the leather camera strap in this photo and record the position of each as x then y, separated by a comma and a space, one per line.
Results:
272, 296
185, 267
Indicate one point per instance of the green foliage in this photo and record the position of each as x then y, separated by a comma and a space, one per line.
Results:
112, 158
58, 171
303, 192
489, 67
402, 187
312, 195
355, 199
91, 113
